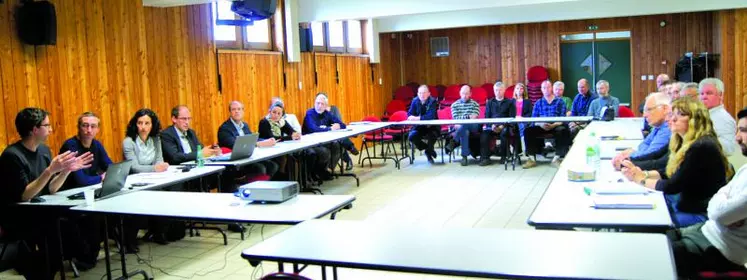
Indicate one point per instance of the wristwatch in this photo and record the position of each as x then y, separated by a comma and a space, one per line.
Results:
645, 176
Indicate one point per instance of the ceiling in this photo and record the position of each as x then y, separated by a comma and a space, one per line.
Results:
406, 15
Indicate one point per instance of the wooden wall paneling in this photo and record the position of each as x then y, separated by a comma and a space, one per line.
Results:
7, 128
740, 58
510, 59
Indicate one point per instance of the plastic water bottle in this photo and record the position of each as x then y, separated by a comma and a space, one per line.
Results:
593, 153
200, 160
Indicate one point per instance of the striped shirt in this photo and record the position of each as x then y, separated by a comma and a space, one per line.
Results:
462, 110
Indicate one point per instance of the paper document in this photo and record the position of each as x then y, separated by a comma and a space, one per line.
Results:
623, 202
618, 188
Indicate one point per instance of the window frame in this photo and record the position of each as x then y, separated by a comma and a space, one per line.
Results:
241, 42
332, 49
349, 49
324, 37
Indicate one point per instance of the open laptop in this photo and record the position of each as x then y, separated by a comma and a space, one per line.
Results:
242, 148
116, 175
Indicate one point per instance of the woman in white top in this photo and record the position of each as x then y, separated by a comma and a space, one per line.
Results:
142, 147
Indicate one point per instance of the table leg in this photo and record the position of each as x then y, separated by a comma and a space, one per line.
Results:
62, 253
107, 258
324, 273
280, 267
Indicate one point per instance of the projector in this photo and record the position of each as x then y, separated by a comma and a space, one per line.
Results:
270, 191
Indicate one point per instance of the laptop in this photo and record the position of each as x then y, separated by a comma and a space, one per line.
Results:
116, 175
242, 148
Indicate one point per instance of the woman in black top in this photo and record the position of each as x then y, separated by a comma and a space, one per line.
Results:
274, 126
697, 167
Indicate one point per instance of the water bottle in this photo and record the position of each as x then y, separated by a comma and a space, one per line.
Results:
593, 153
200, 160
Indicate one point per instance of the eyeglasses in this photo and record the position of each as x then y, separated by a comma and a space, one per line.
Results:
649, 109
184, 118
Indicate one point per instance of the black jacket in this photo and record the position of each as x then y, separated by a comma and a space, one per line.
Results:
227, 134
526, 111
265, 131
505, 108
173, 153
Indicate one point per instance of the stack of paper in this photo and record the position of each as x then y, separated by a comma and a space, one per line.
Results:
623, 202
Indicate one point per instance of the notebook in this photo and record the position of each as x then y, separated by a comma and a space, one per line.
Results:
623, 202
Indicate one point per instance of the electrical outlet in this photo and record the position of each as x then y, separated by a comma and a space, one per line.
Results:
650, 77
300, 86
643, 77
381, 81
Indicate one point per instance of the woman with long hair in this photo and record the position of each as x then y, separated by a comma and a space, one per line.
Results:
142, 147
274, 126
696, 169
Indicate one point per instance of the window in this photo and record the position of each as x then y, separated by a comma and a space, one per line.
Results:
317, 33
354, 38
255, 36
223, 32
336, 37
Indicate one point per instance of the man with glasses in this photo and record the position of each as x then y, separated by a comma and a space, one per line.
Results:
656, 144
85, 142
235, 127
29, 170
179, 142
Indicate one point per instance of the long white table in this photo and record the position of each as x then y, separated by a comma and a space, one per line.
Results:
306, 141
565, 204
170, 177
470, 252
623, 128
453, 122
220, 207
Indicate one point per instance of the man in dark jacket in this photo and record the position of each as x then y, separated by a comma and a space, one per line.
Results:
424, 108
235, 127
497, 107
319, 119
179, 142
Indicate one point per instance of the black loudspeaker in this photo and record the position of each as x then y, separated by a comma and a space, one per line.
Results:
305, 39
254, 9
37, 23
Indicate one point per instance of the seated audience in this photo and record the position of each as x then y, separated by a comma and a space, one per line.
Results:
581, 104
142, 147
712, 94
424, 108
498, 107
720, 243
661, 80
29, 170
696, 168
657, 107
675, 88
88, 128
603, 102
462, 109
179, 142
558, 88
289, 118
346, 142
318, 119
274, 126
548, 106
235, 127
690, 90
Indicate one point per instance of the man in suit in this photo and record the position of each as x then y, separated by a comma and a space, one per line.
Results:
498, 107
235, 127
179, 142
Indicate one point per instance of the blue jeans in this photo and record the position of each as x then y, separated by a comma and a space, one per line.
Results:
463, 135
682, 219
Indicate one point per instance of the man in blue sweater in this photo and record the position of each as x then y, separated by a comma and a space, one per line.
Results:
424, 108
318, 119
88, 128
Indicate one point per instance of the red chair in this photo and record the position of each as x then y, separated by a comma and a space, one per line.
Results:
374, 136
625, 112
535, 76
444, 114
450, 95
413, 87
479, 95
433, 90
403, 93
482, 112
509, 93
488, 87
394, 106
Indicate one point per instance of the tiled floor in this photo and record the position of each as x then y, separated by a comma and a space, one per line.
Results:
447, 195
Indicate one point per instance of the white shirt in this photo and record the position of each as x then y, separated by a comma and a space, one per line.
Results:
729, 206
239, 127
147, 155
184, 140
726, 129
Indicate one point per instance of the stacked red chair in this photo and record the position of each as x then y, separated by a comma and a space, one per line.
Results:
441, 89
450, 95
479, 95
625, 112
488, 87
535, 76
404, 93
509, 93
394, 106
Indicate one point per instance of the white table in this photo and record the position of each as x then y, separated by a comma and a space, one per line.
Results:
565, 204
552, 119
625, 128
211, 207
221, 207
170, 177
609, 149
306, 141
453, 122
469, 252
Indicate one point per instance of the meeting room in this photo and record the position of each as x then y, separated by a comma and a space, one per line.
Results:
359, 139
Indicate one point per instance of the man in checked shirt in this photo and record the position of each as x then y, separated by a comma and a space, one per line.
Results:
547, 106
